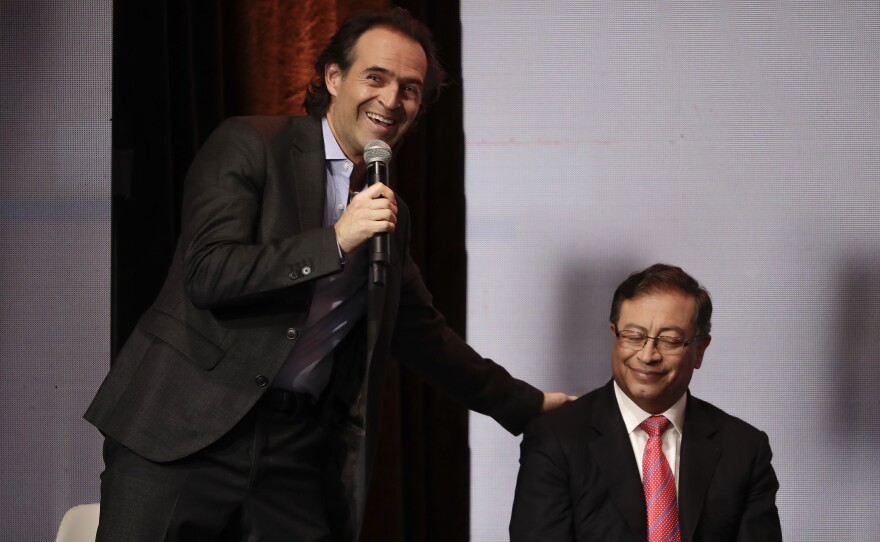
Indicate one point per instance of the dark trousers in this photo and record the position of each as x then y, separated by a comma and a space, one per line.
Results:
267, 479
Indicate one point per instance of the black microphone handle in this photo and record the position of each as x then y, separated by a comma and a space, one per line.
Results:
380, 246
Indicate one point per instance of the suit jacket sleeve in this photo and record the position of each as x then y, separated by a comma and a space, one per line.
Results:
542, 508
760, 520
426, 345
232, 254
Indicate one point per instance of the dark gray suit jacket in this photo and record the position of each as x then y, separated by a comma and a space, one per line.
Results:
579, 478
239, 289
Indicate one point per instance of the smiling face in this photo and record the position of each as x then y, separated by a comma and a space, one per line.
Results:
655, 381
380, 95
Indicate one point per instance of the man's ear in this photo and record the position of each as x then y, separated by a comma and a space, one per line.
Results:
332, 76
701, 345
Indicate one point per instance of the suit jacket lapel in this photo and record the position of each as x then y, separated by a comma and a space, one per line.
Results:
699, 457
310, 177
613, 454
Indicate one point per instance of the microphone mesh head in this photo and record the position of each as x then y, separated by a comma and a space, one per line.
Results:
377, 151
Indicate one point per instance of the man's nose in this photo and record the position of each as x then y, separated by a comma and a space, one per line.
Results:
649, 352
390, 97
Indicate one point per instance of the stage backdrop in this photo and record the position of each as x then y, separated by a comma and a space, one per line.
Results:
55, 64
740, 141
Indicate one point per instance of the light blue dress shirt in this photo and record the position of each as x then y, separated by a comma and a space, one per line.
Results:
340, 299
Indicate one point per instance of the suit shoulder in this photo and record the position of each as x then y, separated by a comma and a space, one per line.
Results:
247, 131
729, 423
567, 420
267, 126
273, 135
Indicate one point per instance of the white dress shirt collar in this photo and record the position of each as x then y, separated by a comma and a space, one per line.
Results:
633, 415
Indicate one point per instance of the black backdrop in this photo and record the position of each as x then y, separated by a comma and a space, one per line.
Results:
176, 75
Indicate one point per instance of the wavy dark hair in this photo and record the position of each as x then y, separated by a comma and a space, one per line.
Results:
664, 278
340, 51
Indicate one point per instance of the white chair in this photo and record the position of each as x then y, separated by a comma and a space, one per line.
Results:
79, 524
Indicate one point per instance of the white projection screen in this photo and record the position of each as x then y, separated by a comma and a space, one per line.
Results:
738, 140
55, 211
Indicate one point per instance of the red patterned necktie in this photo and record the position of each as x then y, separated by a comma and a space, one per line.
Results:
659, 485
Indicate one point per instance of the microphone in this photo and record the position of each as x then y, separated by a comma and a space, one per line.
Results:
377, 155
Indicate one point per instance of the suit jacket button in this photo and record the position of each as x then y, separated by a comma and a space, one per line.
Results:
306, 270
292, 333
262, 381
293, 275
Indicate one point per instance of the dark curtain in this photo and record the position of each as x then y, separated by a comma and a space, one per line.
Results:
181, 67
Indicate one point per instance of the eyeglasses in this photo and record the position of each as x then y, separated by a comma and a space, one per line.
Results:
636, 340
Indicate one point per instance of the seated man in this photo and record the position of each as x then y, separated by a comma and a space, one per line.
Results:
640, 458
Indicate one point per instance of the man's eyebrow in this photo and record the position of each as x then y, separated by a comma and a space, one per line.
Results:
386, 71
377, 69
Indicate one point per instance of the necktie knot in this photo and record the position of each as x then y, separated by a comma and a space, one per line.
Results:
655, 425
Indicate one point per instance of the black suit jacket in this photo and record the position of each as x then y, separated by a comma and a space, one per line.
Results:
579, 478
239, 288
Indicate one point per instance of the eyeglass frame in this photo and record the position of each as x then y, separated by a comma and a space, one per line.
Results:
657, 341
